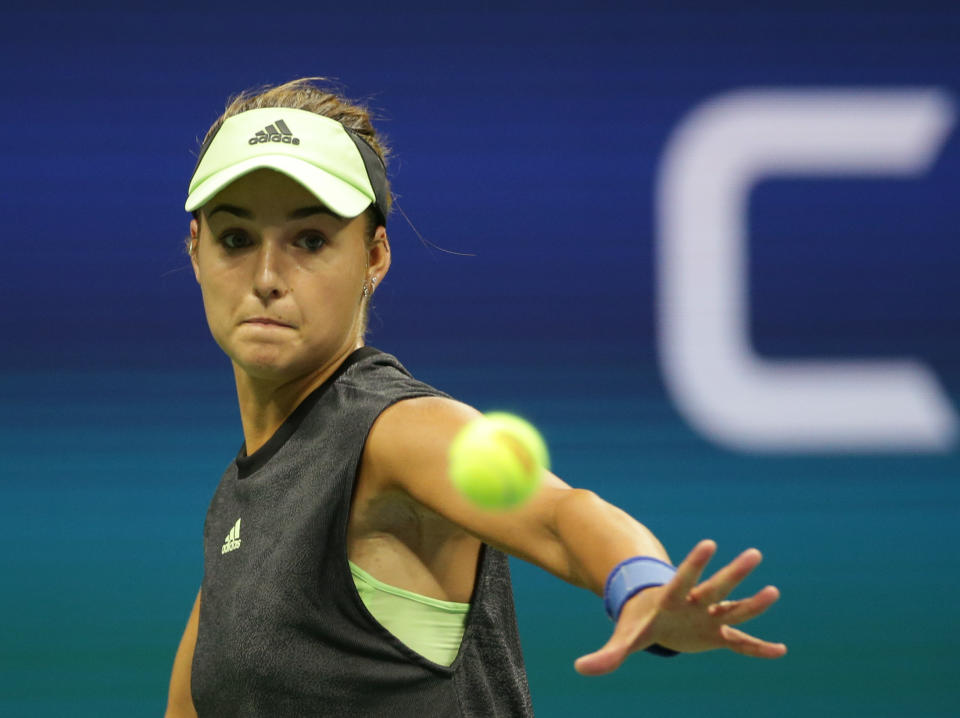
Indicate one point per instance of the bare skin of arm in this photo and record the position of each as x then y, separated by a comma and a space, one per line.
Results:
179, 700
571, 533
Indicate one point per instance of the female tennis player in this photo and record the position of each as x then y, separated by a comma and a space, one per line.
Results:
344, 575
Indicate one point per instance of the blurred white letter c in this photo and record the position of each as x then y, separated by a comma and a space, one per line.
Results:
711, 162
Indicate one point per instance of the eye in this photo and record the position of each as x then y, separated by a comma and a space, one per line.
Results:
235, 239
312, 242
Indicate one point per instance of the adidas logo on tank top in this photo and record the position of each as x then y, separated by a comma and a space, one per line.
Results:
232, 541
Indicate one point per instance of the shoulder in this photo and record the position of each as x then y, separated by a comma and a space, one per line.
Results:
408, 446
433, 411
371, 364
404, 461
371, 373
417, 429
407, 455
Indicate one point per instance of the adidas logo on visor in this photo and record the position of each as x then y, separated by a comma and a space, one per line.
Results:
277, 132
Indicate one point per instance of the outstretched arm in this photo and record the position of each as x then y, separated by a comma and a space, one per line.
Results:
573, 534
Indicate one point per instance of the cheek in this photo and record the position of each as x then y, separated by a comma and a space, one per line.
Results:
217, 291
329, 302
333, 297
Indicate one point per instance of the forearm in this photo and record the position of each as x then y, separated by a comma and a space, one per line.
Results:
594, 536
179, 700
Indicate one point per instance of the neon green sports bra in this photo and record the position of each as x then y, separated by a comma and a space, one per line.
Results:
431, 627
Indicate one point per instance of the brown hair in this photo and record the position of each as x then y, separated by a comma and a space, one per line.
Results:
315, 94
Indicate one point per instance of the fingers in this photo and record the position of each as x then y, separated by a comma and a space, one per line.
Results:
689, 572
747, 645
719, 586
734, 612
690, 616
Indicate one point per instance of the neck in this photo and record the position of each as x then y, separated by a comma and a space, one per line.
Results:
265, 403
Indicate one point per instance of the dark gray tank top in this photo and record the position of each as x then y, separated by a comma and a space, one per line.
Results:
282, 629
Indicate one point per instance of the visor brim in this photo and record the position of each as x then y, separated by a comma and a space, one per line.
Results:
338, 196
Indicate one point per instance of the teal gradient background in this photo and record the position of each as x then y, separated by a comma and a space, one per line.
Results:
104, 507
529, 135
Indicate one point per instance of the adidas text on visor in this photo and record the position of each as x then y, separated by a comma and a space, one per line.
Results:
333, 162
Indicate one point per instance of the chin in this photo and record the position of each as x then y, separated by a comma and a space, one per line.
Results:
273, 362
265, 364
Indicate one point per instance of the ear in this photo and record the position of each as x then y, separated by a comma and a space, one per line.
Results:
192, 249
378, 256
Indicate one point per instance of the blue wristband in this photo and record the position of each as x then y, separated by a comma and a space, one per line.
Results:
630, 577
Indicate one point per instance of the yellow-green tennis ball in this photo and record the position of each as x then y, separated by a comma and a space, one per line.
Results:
497, 460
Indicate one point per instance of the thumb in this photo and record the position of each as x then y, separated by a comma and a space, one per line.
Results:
633, 630
605, 660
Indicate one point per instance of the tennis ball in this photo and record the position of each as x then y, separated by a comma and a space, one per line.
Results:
497, 460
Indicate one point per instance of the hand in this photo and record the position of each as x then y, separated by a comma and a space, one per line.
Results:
689, 617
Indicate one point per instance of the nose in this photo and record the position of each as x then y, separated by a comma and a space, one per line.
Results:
268, 282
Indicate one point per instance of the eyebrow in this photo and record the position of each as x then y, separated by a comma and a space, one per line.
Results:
295, 214
232, 209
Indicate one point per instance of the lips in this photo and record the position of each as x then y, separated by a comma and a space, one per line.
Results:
267, 322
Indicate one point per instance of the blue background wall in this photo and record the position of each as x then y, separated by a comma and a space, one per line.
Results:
530, 136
